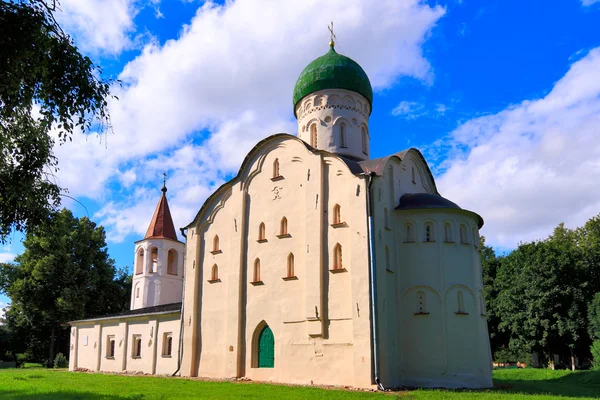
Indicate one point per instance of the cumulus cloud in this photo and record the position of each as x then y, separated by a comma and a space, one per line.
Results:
196, 105
589, 2
7, 257
534, 164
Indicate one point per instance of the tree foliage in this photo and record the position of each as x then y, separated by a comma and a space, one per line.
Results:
64, 274
45, 83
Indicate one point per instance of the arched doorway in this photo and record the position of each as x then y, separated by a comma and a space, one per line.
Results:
266, 348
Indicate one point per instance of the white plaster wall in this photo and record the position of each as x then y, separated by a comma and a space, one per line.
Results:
328, 109
167, 365
86, 353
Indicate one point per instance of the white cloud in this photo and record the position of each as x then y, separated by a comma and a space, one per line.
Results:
196, 105
589, 2
409, 110
7, 257
533, 165
100, 25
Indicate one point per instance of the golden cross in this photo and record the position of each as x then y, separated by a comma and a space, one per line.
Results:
332, 42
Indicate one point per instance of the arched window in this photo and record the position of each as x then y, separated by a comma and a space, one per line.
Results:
414, 180
464, 237
410, 234
365, 140
139, 264
261, 231
214, 273
460, 302
256, 277
283, 229
388, 265
153, 260
137, 290
173, 259
290, 266
216, 244
342, 135
276, 168
429, 233
447, 232
475, 237
386, 218
337, 257
422, 303
337, 214
313, 135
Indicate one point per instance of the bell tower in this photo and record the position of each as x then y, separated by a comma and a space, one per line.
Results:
158, 266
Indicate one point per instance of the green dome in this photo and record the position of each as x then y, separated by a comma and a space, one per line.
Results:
332, 71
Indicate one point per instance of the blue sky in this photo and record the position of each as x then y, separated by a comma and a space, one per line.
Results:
502, 97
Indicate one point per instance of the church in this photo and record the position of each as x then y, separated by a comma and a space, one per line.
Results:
315, 264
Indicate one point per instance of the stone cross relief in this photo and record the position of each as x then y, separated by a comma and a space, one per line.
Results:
277, 192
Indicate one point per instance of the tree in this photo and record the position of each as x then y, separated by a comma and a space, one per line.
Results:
594, 318
41, 73
64, 274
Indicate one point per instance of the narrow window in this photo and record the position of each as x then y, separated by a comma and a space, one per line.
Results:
343, 135
214, 274
429, 233
154, 260
365, 140
216, 243
481, 304
388, 266
475, 238
337, 257
261, 231
173, 259
421, 302
283, 227
139, 265
313, 135
447, 232
137, 293
136, 349
110, 347
409, 233
386, 218
460, 302
256, 270
463, 235
167, 344
290, 266
276, 168
337, 215
413, 175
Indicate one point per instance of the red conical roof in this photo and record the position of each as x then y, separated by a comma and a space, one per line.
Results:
161, 226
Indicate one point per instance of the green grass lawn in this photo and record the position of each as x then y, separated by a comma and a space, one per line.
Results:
40, 383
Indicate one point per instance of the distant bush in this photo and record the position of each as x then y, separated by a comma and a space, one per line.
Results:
595, 350
61, 361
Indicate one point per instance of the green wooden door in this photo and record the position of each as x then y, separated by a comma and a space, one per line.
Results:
266, 348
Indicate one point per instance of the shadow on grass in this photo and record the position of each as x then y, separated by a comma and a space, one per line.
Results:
582, 384
66, 395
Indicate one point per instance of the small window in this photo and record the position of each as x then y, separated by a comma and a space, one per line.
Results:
256, 277
139, 265
410, 234
388, 265
386, 218
447, 232
429, 233
460, 302
276, 168
110, 347
414, 180
283, 228
261, 231
313, 135
337, 257
337, 214
167, 344
343, 135
464, 237
153, 260
290, 266
136, 349
173, 259
216, 244
365, 140
475, 237
421, 303
481, 304
214, 273
137, 292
